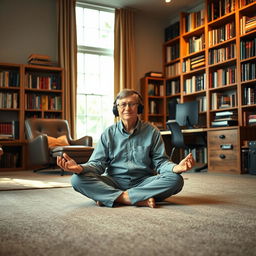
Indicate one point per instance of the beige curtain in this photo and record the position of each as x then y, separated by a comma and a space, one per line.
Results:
124, 50
68, 58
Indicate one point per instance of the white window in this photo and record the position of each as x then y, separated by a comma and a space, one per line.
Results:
95, 65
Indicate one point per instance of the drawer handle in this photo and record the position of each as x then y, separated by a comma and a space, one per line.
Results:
222, 156
222, 136
226, 146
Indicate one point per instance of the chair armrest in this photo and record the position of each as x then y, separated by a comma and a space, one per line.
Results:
85, 141
39, 150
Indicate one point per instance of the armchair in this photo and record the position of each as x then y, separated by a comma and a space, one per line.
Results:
49, 138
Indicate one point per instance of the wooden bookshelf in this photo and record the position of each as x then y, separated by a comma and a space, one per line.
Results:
26, 91
153, 93
217, 66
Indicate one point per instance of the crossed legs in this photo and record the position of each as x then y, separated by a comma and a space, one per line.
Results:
108, 191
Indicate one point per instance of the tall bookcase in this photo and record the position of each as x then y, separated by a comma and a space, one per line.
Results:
153, 93
26, 91
213, 60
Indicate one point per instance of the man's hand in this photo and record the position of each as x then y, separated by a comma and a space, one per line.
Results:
68, 164
185, 164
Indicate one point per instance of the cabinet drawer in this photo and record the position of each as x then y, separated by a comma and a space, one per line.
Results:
224, 161
223, 137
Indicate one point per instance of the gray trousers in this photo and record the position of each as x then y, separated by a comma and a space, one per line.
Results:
107, 189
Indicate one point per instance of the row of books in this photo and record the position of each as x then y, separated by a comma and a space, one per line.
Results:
193, 63
172, 52
155, 89
194, 20
248, 71
222, 34
9, 130
196, 43
10, 160
195, 84
222, 54
248, 48
223, 76
225, 118
199, 154
221, 100
172, 31
153, 107
202, 106
172, 87
249, 95
9, 100
9, 79
247, 24
173, 70
43, 102
219, 8
49, 82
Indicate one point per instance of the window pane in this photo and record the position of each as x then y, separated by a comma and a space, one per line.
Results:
91, 18
95, 77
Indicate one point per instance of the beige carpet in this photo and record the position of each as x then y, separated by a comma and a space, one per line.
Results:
20, 180
214, 215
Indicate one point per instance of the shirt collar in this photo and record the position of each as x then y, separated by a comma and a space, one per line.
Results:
122, 129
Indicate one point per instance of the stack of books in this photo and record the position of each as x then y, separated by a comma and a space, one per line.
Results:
225, 118
154, 74
247, 24
193, 63
252, 120
38, 59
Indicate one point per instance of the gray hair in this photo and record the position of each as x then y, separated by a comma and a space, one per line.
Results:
126, 93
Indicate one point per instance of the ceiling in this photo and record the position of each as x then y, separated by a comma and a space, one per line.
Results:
156, 8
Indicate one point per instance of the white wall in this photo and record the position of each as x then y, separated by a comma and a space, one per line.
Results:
27, 26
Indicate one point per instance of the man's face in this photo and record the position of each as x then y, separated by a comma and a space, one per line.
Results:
128, 108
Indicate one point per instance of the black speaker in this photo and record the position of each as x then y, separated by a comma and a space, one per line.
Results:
252, 157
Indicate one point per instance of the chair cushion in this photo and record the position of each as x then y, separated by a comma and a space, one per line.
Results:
80, 154
55, 142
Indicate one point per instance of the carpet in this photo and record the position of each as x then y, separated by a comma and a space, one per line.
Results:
213, 215
21, 180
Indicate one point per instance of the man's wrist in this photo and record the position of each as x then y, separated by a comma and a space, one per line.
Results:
176, 169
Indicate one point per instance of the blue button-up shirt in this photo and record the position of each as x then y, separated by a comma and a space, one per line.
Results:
132, 156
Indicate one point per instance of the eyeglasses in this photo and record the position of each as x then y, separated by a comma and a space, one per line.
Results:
124, 105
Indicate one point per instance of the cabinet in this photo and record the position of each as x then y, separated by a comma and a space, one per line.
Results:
25, 91
216, 65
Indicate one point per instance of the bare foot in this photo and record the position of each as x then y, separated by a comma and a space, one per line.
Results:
150, 202
99, 203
